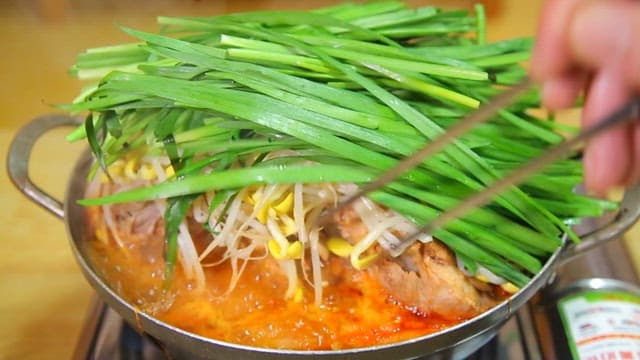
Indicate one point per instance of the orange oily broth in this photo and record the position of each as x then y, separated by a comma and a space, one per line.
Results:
255, 313
356, 311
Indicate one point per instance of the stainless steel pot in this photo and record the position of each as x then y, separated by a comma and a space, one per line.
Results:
456, 342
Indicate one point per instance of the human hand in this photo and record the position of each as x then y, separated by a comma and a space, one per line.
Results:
593, 46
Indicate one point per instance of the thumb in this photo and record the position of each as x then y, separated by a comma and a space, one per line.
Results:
606, 34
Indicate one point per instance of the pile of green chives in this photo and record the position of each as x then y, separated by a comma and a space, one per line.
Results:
353, 88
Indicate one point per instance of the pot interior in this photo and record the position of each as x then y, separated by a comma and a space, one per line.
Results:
455, 342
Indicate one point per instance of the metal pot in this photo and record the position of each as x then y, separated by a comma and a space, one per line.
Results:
456, 342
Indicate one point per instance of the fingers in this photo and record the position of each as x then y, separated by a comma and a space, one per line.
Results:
608, 157
606, 34
561, 91
551, 54
599, 40
582, 36
604, 38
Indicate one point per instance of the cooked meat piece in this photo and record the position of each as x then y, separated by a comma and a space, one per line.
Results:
349, 225
427, 279
136, 218
130, 222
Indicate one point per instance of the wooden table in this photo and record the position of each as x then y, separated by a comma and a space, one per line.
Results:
43, 296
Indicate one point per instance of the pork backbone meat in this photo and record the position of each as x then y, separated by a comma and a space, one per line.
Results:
425, 277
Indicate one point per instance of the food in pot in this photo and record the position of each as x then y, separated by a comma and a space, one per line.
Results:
220, 143
236, 282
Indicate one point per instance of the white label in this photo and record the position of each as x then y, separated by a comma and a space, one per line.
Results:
602, 325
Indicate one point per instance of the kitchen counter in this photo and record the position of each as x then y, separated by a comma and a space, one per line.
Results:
44, 296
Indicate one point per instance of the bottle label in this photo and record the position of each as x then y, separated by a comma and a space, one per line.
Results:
602, 325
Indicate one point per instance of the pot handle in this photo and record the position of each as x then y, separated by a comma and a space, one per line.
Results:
627, 215
20, 153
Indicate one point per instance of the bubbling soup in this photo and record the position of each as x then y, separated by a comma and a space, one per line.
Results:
244, 289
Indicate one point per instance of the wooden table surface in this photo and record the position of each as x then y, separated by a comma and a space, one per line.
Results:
43, 296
